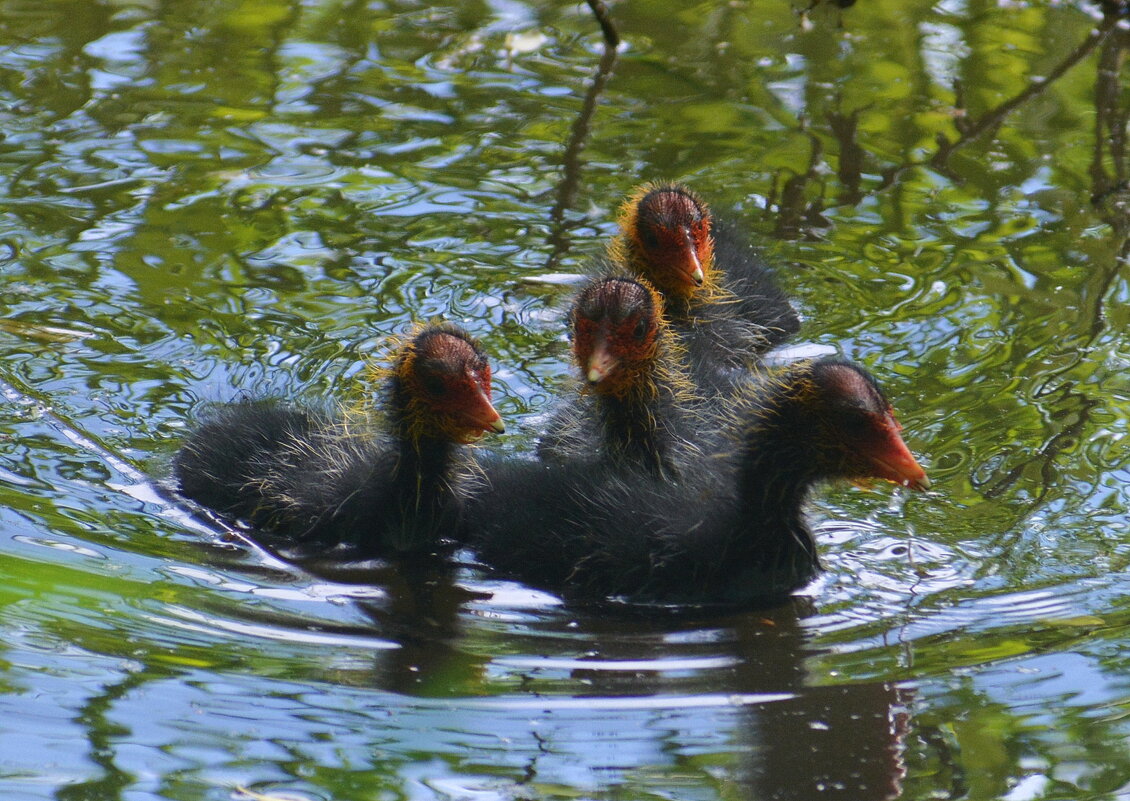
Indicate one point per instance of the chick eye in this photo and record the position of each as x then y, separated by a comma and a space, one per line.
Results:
857, 423
641, 330
649, 237
434, 386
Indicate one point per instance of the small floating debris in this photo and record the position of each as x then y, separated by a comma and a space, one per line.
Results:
43, 333
524, 42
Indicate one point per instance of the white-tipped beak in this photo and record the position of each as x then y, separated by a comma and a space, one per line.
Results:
601, 364
485, 417
696, 273
897, 464
921, 483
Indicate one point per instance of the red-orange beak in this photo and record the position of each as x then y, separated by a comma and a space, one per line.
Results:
674, 259
894, 462
687, 261
481, 418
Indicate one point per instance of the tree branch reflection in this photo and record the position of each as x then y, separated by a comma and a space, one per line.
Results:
1109, 194
559, 239
793, 209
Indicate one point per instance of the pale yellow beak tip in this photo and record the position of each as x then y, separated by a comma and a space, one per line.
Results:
923, 483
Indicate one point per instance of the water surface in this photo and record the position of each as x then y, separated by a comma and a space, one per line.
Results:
205, 199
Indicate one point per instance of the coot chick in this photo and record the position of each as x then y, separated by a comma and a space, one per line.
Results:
721, 296
305, 477
731, 531
636, 406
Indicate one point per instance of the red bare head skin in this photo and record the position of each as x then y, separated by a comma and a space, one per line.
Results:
666, 228
858, 418
616, 326
447, 377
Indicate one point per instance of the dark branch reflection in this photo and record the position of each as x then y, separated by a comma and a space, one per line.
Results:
797, 215
559, 240
1108, 169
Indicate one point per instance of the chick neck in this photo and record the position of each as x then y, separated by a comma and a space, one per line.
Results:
643, 416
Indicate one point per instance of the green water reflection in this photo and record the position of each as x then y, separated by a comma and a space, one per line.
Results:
202, 199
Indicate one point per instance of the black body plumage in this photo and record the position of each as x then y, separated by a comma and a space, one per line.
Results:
731, 530
311, 481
